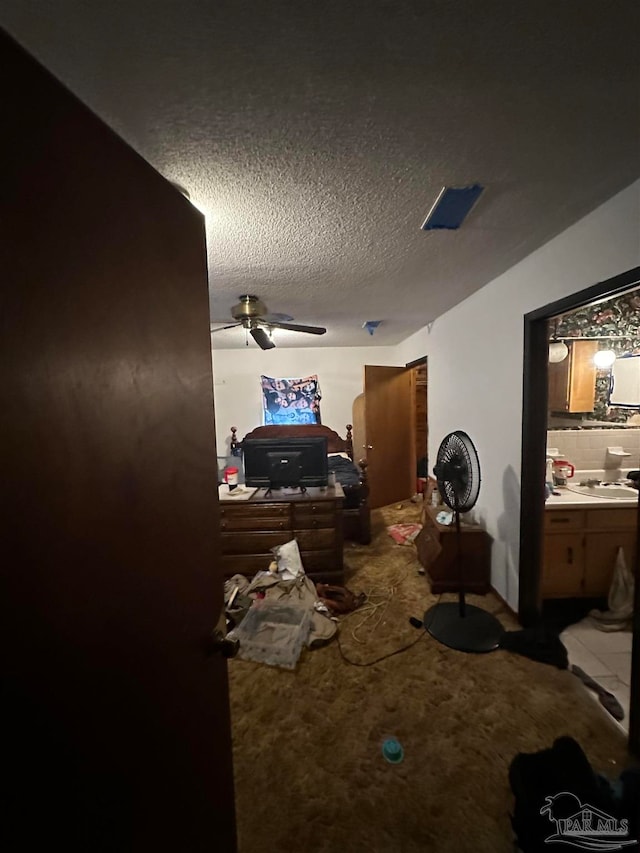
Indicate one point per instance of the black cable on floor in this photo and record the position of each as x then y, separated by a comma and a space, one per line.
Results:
416, 624
383, 657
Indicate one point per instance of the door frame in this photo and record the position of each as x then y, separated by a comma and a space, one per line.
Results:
417, 362
534, 431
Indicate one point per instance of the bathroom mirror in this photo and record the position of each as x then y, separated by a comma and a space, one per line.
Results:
624, 390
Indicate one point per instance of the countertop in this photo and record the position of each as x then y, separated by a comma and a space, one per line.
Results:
569, 498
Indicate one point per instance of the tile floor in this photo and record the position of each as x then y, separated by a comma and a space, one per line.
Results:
606, 657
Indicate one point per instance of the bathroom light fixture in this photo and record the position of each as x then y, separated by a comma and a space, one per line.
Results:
604, 358
558, 351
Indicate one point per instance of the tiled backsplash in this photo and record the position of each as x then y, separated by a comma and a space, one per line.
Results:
586, 449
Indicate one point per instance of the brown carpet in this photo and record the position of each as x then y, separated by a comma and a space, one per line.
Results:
307, 744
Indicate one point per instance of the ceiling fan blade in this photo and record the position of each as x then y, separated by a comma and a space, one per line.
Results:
295, 327
262, 339
222, 328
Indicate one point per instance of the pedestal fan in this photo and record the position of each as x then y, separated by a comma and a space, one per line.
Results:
459, 625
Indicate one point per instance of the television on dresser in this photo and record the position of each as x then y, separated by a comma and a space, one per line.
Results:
279, 462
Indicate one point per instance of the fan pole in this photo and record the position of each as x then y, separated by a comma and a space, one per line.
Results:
461, 600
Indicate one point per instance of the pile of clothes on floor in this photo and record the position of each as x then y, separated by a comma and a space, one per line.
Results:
282, 606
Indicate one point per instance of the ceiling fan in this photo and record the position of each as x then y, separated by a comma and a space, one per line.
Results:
252, 315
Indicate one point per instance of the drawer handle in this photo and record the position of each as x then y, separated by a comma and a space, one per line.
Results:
570, 555
560, 520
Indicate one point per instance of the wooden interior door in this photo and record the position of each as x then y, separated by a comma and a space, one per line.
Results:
419, 390
359, 428
116, 732
390, 434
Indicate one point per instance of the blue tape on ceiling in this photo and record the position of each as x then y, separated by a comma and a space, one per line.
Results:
451, 207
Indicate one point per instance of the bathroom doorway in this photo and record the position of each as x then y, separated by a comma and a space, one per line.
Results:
534, 436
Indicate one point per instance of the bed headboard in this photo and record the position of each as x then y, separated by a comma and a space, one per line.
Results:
335, 444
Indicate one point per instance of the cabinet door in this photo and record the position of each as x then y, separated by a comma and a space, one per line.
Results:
563, 565
600, 558
572, 382
559, 385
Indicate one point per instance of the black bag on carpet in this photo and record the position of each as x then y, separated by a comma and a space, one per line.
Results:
539, 643
557, 785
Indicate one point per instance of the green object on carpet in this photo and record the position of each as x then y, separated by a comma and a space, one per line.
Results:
392, 750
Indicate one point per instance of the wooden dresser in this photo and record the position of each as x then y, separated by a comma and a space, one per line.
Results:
437, 552
249, 529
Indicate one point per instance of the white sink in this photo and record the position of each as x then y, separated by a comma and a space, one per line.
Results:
614, 492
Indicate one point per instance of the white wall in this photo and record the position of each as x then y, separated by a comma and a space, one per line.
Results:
475, 359
237, 374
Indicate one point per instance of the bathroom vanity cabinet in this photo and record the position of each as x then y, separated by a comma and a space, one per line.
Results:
580, 549
572, 382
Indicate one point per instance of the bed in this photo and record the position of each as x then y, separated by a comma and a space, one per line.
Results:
352, 476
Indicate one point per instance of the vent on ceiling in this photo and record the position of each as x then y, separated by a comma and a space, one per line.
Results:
451, 207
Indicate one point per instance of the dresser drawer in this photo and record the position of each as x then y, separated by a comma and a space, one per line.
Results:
315, 539
253, 543
244, 564
314, 515
317, 522
242, 522
320, 561
247, 509
560, 520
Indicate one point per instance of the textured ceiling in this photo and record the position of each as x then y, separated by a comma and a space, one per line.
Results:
316, 136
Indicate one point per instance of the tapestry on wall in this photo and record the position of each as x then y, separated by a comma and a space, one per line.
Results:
619, 316
291, 401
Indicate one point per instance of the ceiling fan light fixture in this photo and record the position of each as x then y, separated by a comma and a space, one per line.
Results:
558, 351
251, 314
604, 358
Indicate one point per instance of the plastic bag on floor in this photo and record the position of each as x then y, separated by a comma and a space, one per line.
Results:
404, 534
620, 599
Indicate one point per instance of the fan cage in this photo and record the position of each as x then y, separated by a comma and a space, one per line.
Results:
457, 471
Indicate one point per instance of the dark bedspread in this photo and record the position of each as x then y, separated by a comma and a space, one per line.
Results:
346, 471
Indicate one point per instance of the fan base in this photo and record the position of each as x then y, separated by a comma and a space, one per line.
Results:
476, 631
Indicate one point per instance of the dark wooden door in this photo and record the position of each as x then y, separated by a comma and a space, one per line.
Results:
390, 434
118, 731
